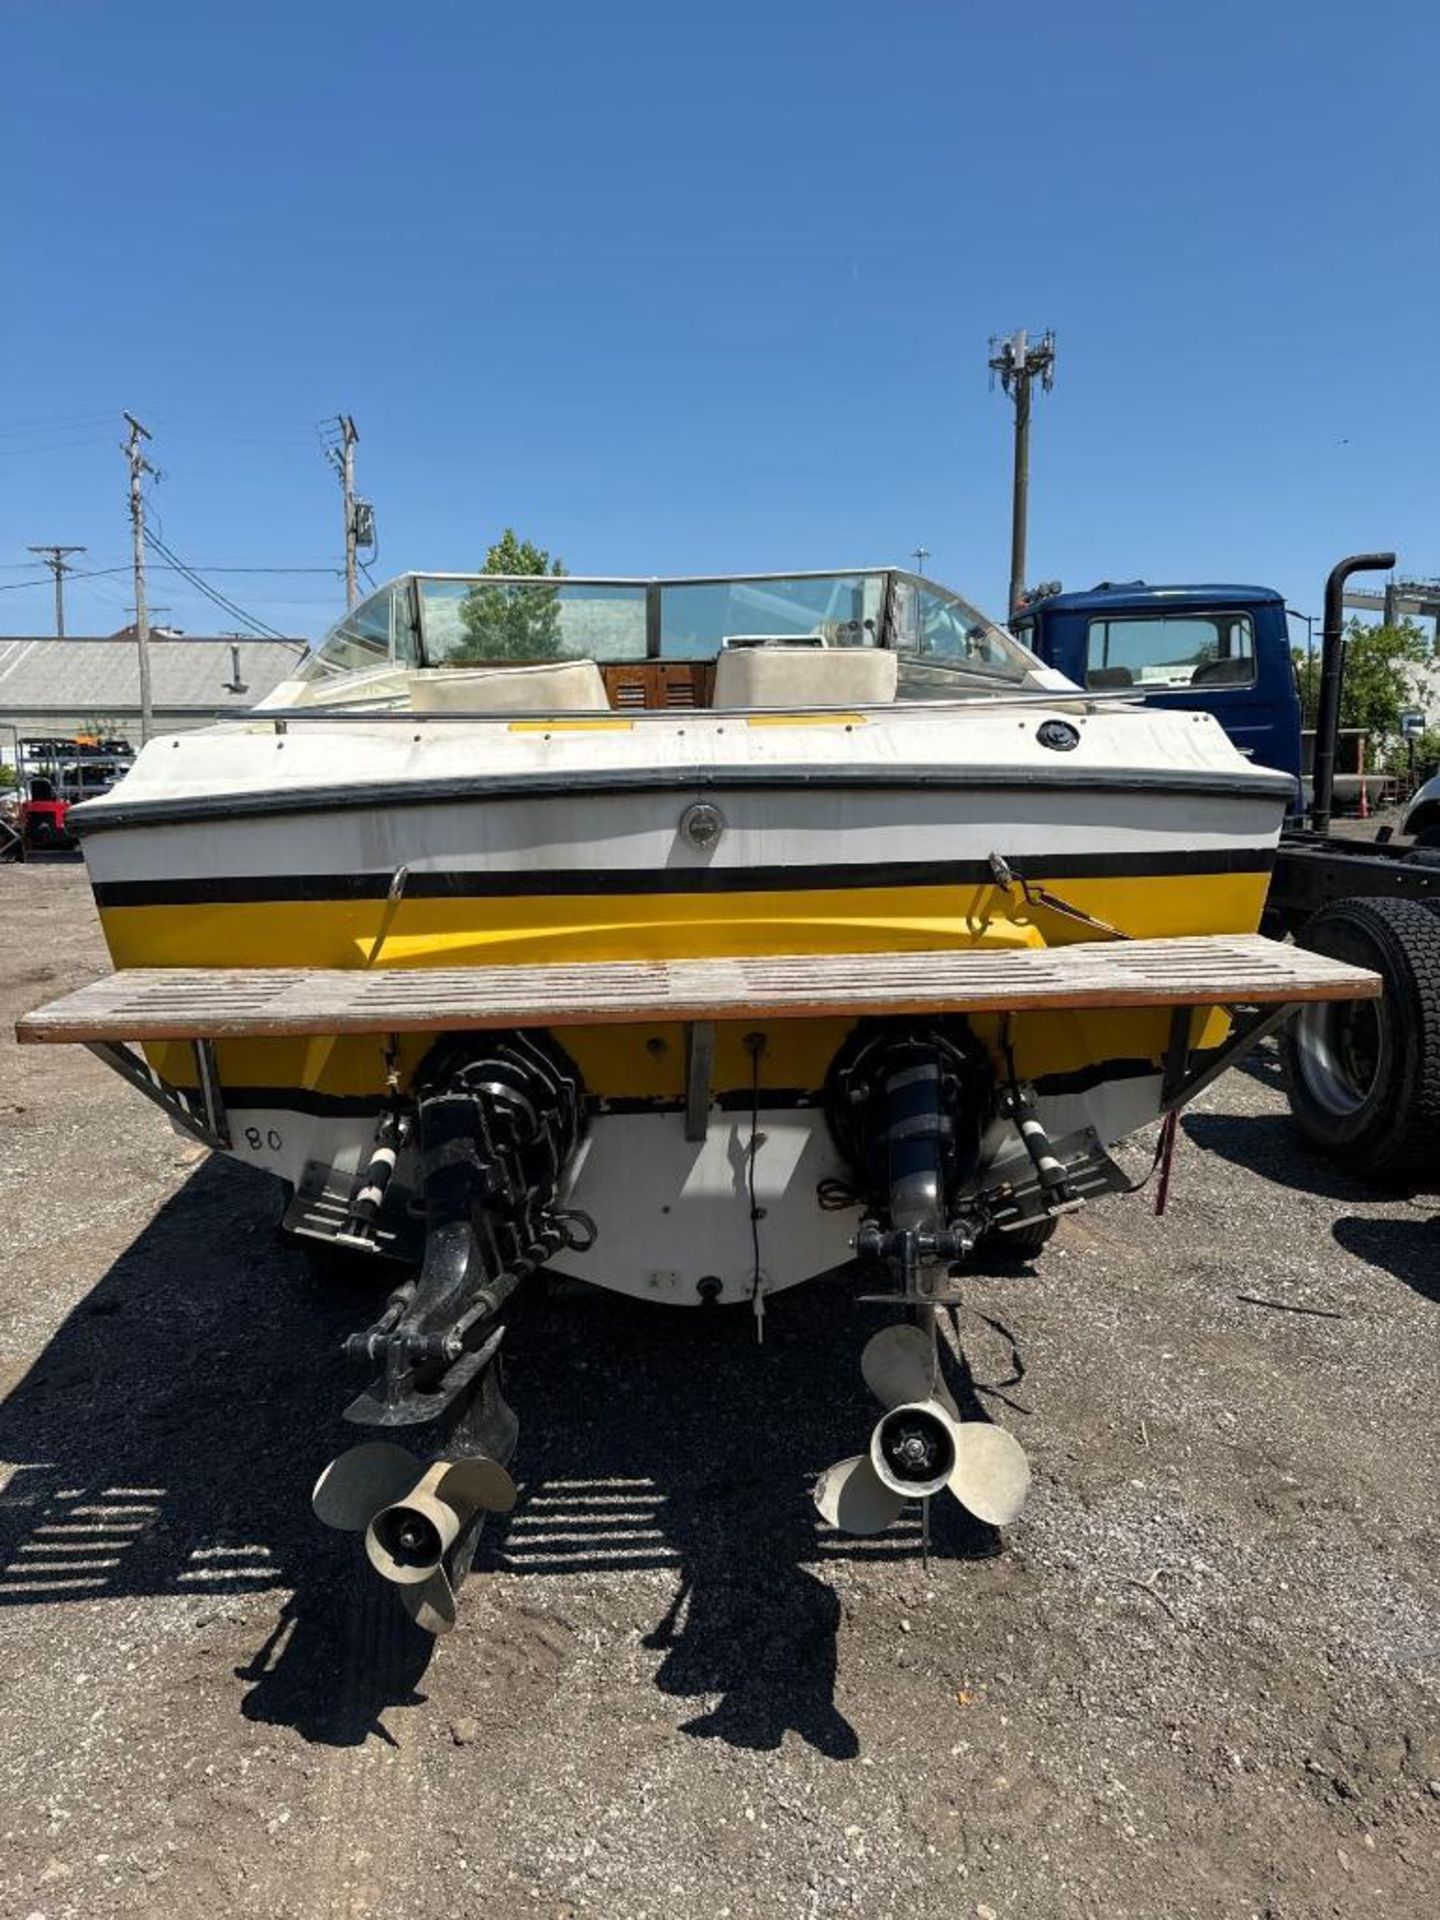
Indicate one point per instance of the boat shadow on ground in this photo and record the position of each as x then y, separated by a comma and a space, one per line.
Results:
1410, 1249
1270, 1145
167, 1438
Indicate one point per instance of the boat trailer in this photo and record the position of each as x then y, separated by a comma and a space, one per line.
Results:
498, 1110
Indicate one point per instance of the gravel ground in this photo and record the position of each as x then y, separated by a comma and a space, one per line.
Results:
1200, 1677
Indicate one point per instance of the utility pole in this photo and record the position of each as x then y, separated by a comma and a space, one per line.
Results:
342, 458
359, 514
1018, 365
921, 555
140, 465
57, 557
347, 479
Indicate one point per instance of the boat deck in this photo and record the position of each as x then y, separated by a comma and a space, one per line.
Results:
182, 1003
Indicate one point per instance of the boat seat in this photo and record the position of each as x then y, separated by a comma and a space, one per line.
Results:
1101, 679
548, 686
805, 677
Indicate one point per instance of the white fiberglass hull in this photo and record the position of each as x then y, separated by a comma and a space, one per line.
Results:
498, 842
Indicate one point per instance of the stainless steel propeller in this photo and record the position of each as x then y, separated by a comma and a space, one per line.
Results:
411, 1515
920, 1446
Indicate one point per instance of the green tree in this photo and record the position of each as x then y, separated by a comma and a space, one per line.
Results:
512, 622
1380, 679
1421, 755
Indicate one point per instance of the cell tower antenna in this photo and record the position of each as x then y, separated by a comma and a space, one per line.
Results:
1020, 362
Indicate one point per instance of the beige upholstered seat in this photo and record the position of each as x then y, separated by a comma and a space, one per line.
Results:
804, 677
551, 686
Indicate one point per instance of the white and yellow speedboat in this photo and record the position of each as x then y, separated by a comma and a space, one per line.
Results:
683, 936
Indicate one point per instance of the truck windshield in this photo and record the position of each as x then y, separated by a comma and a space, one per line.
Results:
1152, 651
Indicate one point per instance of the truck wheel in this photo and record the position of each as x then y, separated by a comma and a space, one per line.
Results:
1363, 1076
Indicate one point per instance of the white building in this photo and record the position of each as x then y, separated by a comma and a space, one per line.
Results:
54, 689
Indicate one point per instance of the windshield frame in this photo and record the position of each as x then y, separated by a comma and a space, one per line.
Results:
409, 612
1017, 654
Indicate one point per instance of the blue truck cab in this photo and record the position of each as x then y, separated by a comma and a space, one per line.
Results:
1222, 649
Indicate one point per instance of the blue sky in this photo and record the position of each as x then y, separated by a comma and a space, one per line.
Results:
709, 287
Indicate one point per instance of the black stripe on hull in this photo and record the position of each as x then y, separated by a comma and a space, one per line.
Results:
361, 1106
478, 884
1086, 1079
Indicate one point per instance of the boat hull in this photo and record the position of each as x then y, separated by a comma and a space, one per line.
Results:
884, 841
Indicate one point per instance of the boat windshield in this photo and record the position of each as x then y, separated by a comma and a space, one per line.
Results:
465, 622
941, 639
458, 621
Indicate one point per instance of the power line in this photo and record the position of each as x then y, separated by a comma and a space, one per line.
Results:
234, 437
213, 594
258, 423
111, 593
101, 573
335, 573
200, 566
61, 423
51, 446
193, 423
75, 573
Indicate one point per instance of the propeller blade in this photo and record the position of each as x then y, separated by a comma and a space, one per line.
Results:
899, 1365
358, 1483
853, 1497
913, 1449
432, 1604
475, 1484
991, 1476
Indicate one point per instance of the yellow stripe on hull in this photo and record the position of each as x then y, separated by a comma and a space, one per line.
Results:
560, 928
647, 1062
